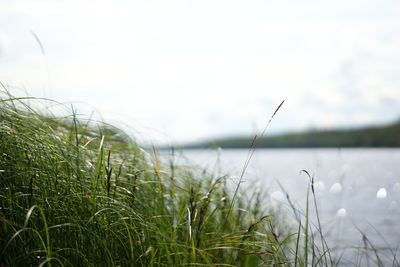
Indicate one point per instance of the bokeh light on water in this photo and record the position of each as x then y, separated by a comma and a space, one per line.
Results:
382, 193
336, 188
341, 213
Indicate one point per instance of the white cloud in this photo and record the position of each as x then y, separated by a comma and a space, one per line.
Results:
195, 69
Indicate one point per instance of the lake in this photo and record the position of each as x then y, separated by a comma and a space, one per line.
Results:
356, 189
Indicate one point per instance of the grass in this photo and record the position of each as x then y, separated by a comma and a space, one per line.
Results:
76, 192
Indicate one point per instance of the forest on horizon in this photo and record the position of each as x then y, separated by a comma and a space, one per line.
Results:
369, 136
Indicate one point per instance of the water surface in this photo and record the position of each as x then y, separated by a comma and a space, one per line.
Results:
347, 182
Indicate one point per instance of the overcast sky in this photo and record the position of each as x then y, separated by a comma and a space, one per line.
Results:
185, 70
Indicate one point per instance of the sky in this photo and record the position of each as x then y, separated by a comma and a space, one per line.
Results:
184, 71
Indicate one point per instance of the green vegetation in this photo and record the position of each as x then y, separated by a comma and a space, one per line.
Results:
76, 192
384, 136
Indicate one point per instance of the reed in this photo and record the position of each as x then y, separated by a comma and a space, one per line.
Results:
78, 192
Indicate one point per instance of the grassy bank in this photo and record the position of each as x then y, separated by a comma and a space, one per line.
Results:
79, 193
75, 192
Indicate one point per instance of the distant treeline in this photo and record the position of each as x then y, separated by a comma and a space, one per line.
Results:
382, 136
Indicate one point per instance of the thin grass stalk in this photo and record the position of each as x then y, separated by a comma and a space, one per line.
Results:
248, 159
296, 255
306, 229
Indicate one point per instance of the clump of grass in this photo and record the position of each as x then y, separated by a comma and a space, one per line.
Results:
78, 193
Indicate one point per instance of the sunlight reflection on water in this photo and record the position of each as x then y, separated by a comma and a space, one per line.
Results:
341, 212
382, 193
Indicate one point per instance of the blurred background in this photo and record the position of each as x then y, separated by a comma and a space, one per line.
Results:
185, 71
